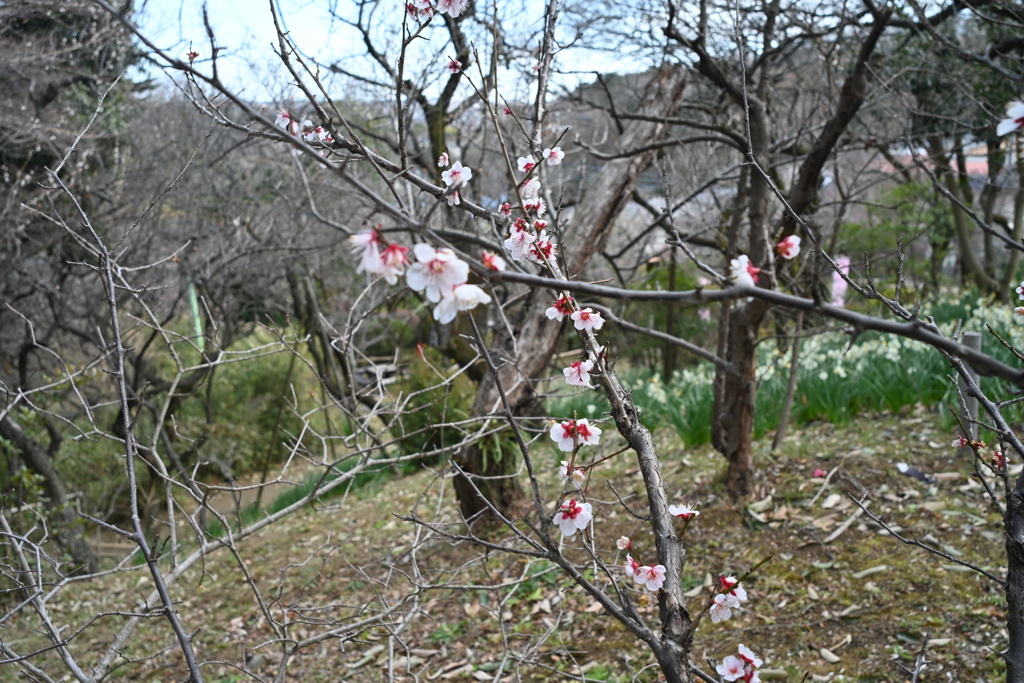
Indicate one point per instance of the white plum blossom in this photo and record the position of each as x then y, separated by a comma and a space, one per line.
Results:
731, 588
554, 156
461, 298
454, 199
364, 240
454, 67
530, 189
576, 477
418, 9
435, 272
367, 245
536, 206
789, 248
742, 272
1014, 118
721, 608
572, 517
587, 319
1019, 311
731, 668
1020, 291
631, 566
578, 374
452, 8
519, 240
748, 656
393, 262
493, 261
542, 250
559, 309
588, 434
457, 175
685, 511
505, 209
566, 434
623, 543
442, 160
284, 119
653, 578
527, 163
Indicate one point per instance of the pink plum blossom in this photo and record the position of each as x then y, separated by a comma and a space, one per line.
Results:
460, 298
454, 67
587, 319
959, 441
623, 543
839, 285
572, 517
436, 271
1014, 118
789, 248
731, 668
578, 374
506, 209
457, 175
442, 160
527, 163
559, 309
493, 261
1020, 291
554, 156
653, 578
818, 473
576, 477
393, 262
685, 511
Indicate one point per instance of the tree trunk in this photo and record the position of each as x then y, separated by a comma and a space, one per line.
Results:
1015, 586
525, 357
37, 459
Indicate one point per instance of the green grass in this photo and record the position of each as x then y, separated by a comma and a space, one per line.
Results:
837, 381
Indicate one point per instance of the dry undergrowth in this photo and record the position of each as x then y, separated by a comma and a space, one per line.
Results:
860, 600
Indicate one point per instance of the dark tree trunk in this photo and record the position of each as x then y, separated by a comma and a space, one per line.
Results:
1015, 586
735, 393
526, 357
38, 460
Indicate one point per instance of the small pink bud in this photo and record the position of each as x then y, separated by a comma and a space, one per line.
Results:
819, 472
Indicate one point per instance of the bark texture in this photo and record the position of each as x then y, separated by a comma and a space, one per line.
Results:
525, 354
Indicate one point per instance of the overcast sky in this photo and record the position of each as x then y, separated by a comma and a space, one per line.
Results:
245, 31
